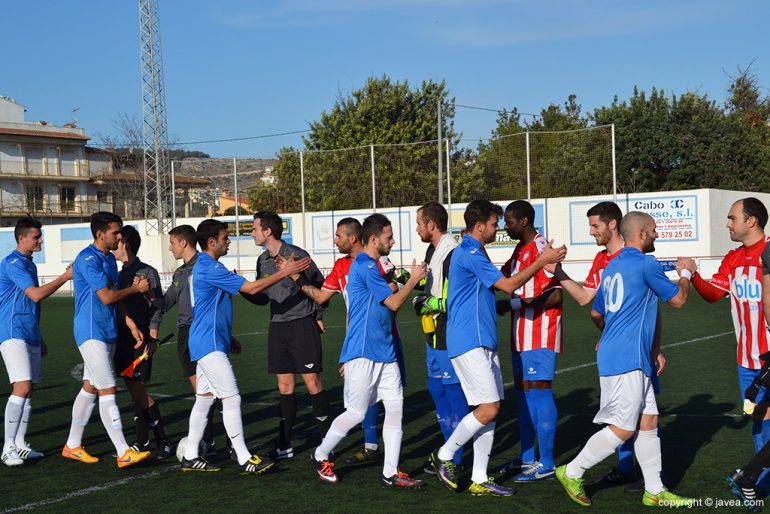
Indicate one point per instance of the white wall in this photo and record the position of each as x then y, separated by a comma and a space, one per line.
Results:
691, 223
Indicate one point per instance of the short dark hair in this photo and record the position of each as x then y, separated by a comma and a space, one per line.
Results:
101, 221
354, 227
185, 233
24, 225
132, 238
479, 211
207, 229
753, 207
435, 212
269, 219
607, 211
374, 224
521, 209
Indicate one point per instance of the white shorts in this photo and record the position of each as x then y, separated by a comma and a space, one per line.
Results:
367, 382
480, 375
624, 398
97, 363
22, 360
215, 375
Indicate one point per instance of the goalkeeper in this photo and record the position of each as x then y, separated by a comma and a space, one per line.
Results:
443, 383
140, 308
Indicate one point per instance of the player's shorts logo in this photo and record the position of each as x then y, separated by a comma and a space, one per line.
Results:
747, 290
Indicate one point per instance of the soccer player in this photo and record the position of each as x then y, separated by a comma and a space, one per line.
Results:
347, 238
182, 247
626, 311
294, 333
368, 353
21, 344
472, 342
536, 341
141, 309
744, 480
210, 343
604, 226
740, 277
97, 306
443, 383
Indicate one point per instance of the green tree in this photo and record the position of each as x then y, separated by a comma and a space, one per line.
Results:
382, 112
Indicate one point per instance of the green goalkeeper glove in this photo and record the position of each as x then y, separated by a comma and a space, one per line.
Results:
400, 276
426, 304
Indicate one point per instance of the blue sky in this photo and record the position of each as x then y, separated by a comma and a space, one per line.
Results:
236, 68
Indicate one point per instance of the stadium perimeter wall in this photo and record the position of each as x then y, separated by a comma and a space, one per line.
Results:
690, 223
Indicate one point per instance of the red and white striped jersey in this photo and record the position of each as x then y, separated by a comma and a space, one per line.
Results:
337, 280
740, 275
533, 328
594, 278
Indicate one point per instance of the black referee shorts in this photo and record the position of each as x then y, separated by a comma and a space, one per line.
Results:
125, 354
294, 346
188, 367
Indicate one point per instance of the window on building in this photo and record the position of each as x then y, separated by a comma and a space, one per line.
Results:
34, 198
67, 199
104, 200
34, 158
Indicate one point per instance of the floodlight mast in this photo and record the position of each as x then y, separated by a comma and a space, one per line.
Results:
157, 176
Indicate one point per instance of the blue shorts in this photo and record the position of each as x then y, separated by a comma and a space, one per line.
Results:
745, 377
439, 365
538, 364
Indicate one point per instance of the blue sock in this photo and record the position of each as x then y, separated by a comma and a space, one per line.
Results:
626, 457
763, 481
370, 424
526, 429
541, 402
459, 407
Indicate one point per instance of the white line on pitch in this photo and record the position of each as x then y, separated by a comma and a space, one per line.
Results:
90, 490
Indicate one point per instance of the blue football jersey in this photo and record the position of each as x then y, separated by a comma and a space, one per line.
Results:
370, 323
211, 285
471, 315
628, 300
19, 315
92, 271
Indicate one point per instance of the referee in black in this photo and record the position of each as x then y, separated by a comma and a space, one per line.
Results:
294, 333
140, 308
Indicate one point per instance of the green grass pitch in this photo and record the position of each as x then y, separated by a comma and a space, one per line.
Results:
703, 435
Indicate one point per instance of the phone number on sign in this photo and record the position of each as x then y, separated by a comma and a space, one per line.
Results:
675, 234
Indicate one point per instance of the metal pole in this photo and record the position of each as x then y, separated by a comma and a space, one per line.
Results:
440, 165
302, 189
173, 196
614, 169
448, 187
237, 219
529, 178
374, 187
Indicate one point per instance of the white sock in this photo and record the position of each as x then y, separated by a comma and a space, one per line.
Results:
647, 451
82, 408
13, 411
198, 419
110, 414
391, 435
21, 434
600, 446
482, 448
231, 419
341, 425
372, 446
467, 428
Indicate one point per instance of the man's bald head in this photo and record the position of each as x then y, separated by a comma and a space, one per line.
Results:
638, 231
